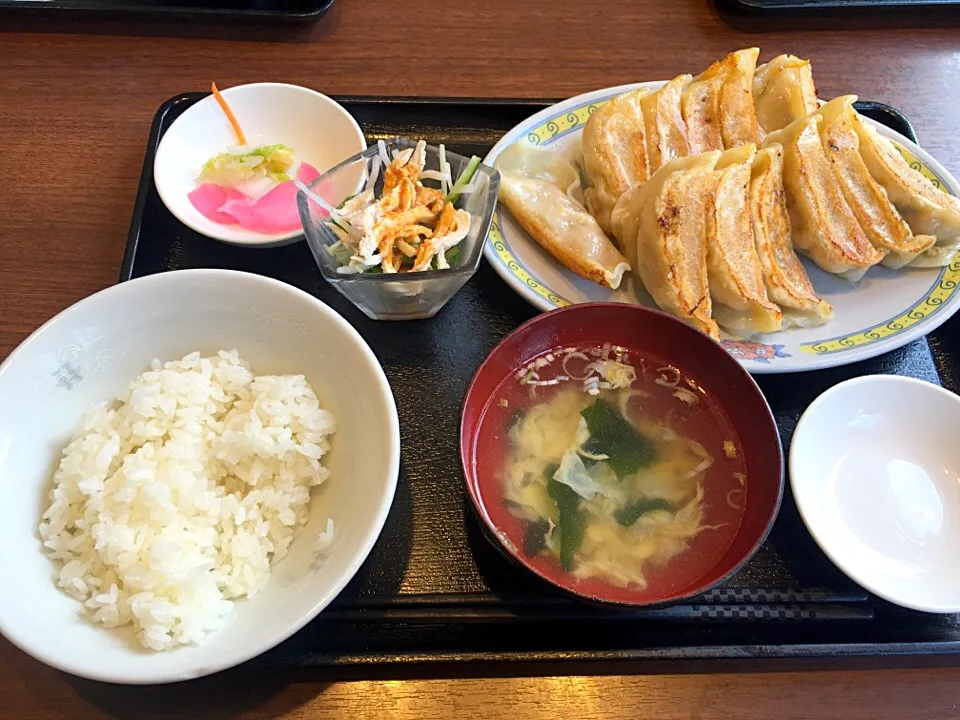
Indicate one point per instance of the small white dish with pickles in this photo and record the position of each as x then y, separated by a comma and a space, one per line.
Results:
226, 166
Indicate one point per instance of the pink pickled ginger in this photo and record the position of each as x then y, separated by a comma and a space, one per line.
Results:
273, 212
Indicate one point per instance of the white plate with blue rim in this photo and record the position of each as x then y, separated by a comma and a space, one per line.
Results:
885, 310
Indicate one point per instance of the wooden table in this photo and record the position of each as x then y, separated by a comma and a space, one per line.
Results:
75, 108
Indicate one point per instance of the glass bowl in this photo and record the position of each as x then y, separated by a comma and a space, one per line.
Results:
398, 296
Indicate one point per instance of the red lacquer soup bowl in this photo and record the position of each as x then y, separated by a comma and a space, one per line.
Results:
742, 488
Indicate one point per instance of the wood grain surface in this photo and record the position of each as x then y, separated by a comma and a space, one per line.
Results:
76, 100
31, 691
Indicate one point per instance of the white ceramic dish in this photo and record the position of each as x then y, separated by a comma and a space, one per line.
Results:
320, 131
875, 471
90, 352
888, 308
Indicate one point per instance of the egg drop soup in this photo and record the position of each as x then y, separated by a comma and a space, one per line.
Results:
611, 470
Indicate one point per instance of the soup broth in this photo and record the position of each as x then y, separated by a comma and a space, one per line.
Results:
608, 468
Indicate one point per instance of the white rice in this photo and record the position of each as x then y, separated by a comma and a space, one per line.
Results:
173, 501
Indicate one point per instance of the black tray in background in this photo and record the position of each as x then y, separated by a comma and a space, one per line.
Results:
772, 7
433, 588
244, 10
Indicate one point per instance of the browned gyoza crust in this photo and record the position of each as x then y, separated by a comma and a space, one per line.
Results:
824, 227
738, 111
786, 281
666, 132
737, 114
881, 222
733, 267
614, 153
700, 104
927, 209
664, 220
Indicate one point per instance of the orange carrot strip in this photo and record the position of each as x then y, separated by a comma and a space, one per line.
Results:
229, 113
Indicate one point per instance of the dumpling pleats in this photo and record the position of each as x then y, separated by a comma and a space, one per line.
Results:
884, 226
734, 272
700, 105
535, 186
539, 163
625, 218
737, 114
614, 153
563, 228
670, 229
784, 91
738, 111
666, 133
784, 277
927, 209
824, 226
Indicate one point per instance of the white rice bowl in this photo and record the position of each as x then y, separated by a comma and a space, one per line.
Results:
243, 605
175, 499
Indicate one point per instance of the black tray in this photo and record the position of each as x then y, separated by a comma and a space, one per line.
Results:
433, 588
252, 10
773, 6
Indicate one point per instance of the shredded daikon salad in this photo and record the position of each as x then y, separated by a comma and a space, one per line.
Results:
601, 481
408, 226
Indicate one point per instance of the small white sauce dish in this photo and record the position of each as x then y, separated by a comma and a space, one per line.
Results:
875, 472
320, 131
